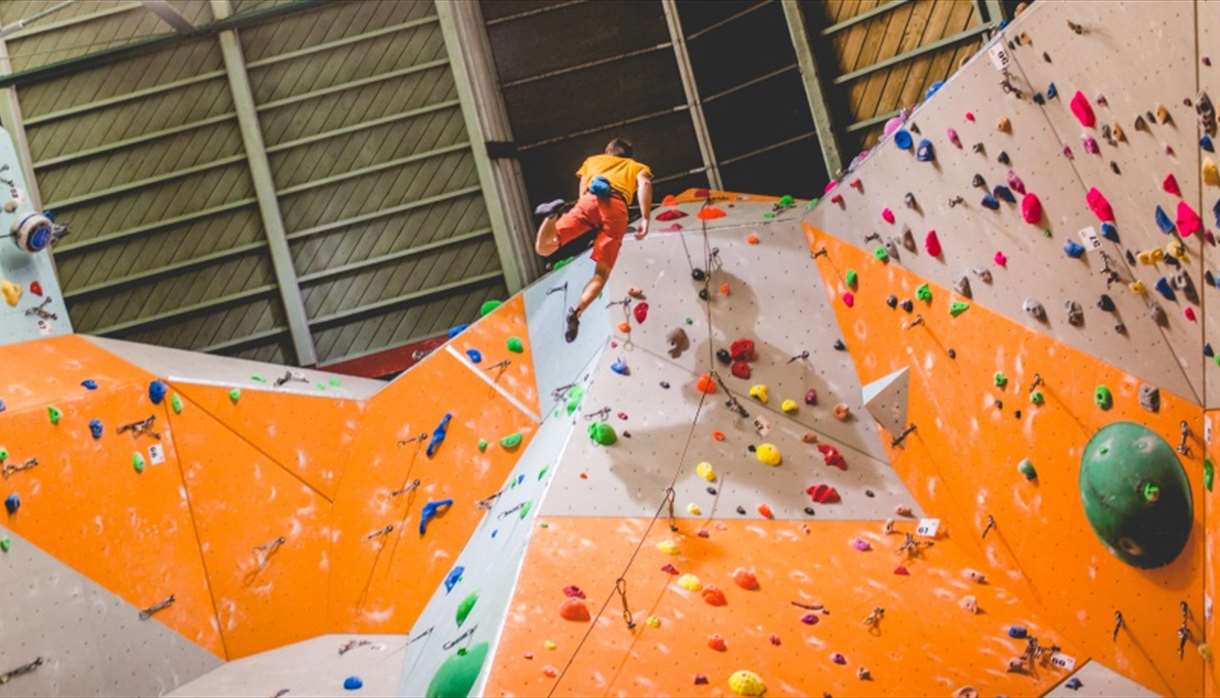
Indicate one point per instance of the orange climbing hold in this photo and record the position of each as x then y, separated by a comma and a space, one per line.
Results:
706, 384
669, 200
745, 578
764, 510
624, 327
717, 643
725, 289
713, 596
752, 239
575, 610
710, 213
718, 435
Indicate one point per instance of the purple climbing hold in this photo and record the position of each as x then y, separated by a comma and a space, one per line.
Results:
925, 151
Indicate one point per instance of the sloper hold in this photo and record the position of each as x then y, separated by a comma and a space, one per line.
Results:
1083, 110
886, 400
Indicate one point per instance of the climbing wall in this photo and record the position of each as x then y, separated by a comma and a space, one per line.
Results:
31, 304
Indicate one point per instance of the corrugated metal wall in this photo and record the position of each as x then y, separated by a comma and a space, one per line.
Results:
381, 203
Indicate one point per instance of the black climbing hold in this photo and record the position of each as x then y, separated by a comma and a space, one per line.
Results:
741, 510
1017, 414
1130, 258
1039, 99
711, 491
1208, 276
1002, 192
977, 147
1003, 158
698, 274
908, 305
1120, 328
1106, 303
978, 181
892, 300
1114, 167
750, 448
724, 357
952, 353
703, 295
999, 404
869, 493
810, 511
626, 434
1046, 56
1208, 351
839, 345
665, 384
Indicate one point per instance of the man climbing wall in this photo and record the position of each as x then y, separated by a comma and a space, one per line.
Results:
608, 183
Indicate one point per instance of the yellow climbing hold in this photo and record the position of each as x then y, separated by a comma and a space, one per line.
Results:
693, 509
768, 454
759, 392
1137, 286
706, 471
550, 644
1175, 249
1150, 256
788, 406
652, 622
690, 582
1210, 174
668, 547
12, 292
744, 682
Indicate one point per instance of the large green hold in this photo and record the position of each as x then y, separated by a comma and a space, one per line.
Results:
487, 307
464, 608
602, 433
457, 675
1135, 494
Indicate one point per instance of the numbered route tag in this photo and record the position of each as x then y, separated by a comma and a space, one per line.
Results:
1090, 238
999, 56
927, 527
1063, 661
762, 426
156, 454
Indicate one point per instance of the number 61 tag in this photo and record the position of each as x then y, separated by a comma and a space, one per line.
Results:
927, 527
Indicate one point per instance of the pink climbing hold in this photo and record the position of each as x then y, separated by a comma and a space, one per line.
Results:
574, 592
830, 185
1001, 259
641, 312
1090, 145
861, 545
887, 215
1170, 185
810, 619
848, 299
1100, 205
1015, 183
1189, 312
671, 214
1031, 209
1188, 221
931, 244
954, 138
970, 116
668, 568
1083, 110
902, 571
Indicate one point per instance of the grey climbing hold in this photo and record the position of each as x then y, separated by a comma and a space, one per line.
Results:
1158, 314
1075, 313
1035, 309
1150, 398
983, 273
908, 240
891, 246
1182, 282
962, 286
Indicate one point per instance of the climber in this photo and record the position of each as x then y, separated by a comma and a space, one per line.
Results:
608, 182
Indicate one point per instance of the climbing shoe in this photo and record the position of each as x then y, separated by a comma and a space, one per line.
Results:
569, 335
550, 208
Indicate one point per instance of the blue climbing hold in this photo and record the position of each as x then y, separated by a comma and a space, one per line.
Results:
3, 406
1017, 632
1163, 221
1163, 288
520, 479
1206, 143
1109, 231
12, 503
620, 367
1074, 683
990, 202
1052, 91
454, 576
1003, 192
902, 139
934, 89
438, 434
457, 329
475, 356
1073, 249
432, 510
1215, 212
1207, 350
157, 391
353, 683
95, 428
494, 531
89, 384
925, 152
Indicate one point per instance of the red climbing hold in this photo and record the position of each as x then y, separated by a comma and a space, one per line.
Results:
764, 511
668, 568
1031, 209
641, 312
701, 679
902, 571
849, 300
711, 213
574, 610
1001, 259
823, 494
713, 596
1170, 185
717, 643
703, 193
832, 457
970, 116
1188, 221
745, 578
1083, 110
775, 640
836, 199
672, 214
742, 350
35, 288
811, 397
931, 243
856, 184
887, 215
574, 592
1099, 205
1189, 312
741, 369
752, 239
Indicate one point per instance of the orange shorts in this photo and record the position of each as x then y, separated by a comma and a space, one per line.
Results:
606, 216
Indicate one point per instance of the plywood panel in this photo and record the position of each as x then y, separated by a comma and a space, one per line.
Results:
963, 464
923, 624
263, 534
1206, 19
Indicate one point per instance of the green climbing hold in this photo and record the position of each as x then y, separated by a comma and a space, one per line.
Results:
258, 379
542, 473
515, 345
457, 675
769, 215
1000, 379
466, 607
234, 395
1037, 397
1209, 473
786, 200
511, 441
3, 454
175, 403
137, 462
525, 509
562, 263
55, 414
334, 382
575, 395
690, 321
812, 203
852, 279
1026, 468
488, 306
6, 544
881, 254
958, 307
602, 433
1102, 397
1136, 494
924, 293
482, 445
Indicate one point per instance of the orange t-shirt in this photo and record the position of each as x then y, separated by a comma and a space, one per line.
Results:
621, 172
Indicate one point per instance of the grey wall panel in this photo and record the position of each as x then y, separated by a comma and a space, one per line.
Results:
92, 643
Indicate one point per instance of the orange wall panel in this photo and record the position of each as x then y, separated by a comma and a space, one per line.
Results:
926, 643
241, 500
962, 461
85, 504
308, 436
381, 583
39, 372
1211, 550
